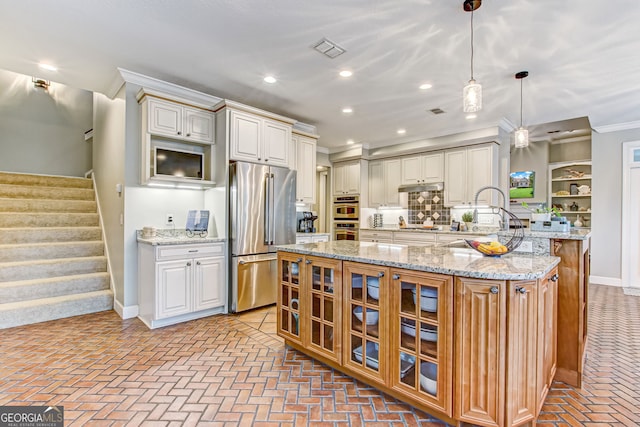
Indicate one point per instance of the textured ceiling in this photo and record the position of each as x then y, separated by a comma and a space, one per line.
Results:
582, 57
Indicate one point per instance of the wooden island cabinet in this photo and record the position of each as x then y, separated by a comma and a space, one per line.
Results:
468, 339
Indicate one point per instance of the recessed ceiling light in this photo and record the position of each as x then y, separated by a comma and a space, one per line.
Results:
347, 110
350, 141
270, 79
401, 131
47, 67
470, 116
346, 73
426, 86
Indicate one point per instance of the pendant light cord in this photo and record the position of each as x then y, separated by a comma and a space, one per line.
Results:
471, 42
521, 102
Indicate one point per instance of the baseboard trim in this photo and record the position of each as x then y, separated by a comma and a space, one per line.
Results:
127, 312
607, 281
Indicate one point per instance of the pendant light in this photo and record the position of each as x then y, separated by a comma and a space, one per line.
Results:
472, 93
521, 136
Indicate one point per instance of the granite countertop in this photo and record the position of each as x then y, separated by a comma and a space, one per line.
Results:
573, 234
176, 237
451, 261
426, 230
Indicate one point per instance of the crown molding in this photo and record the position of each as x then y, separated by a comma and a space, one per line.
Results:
617, 127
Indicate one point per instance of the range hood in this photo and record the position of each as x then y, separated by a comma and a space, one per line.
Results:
421, 186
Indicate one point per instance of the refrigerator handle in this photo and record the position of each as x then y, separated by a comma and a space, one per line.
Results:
272, 228
267, 209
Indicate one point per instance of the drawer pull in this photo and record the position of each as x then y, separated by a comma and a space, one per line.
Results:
193, 250
494, 290
188, 264
521, 290
554, 278
308, 261
381, 274
396, 276
299, 260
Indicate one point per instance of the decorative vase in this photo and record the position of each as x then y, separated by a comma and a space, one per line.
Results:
578, 222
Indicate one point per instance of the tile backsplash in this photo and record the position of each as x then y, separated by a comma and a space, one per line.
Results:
428, 204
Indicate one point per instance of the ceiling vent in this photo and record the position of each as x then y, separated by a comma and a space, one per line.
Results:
437, 111
328, 48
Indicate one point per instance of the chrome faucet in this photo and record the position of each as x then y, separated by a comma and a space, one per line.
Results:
504, 222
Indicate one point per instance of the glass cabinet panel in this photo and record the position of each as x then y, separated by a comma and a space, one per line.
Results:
291, 271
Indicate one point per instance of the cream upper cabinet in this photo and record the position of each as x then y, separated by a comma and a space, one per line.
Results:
466, 171
346, 178
256, 139
426, 168
384, 180
178, 121
305, 165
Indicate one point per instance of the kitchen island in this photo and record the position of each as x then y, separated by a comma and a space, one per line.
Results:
467, 338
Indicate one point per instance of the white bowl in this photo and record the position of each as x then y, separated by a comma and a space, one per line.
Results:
372, 315
429, 377
427, 302
373, 287
427, 332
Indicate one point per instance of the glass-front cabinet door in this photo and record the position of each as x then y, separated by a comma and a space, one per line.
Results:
290, 278
324, 293
365, 298
422, 329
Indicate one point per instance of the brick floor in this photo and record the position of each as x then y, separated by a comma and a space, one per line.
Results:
233, 371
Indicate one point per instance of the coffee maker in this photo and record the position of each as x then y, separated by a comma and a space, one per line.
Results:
305, 222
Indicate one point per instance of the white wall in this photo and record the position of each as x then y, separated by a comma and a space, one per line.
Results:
108, 169
43, 131
606, 222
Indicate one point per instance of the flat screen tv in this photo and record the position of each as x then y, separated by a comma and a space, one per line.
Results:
176, 163
522, 185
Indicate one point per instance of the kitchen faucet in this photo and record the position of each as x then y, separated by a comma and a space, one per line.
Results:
504, 222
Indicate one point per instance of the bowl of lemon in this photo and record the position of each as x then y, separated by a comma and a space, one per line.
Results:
493, 248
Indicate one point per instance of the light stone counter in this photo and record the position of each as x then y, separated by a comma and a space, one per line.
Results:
445, 230
449, 261
175, 237
541, 240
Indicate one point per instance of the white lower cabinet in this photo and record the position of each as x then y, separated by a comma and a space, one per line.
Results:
313, 238
177, 283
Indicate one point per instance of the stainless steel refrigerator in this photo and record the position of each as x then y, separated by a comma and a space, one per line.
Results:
262, 215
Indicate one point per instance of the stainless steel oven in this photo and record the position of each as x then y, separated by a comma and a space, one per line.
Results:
345, 230
346, 207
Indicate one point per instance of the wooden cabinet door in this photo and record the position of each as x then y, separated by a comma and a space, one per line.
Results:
165, 118
198, 125
275, 149
365, 339
411, 170
521, 355
290, 291
209, 283
421, 330
433, 167
547, 337
479, 377
245, 136
455, 180
173, 288
376, 183
480, 174
323, 318
306, 167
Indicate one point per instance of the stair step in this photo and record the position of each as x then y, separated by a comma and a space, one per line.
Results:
42, 310
52, 193
41, 269
49, 234
46, 205
25, 290
21, 219
44, 180
57, 250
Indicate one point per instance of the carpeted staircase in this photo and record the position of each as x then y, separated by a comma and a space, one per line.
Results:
52, 262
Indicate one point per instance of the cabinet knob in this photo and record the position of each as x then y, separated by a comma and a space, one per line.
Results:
259, 158
188, 134
494, 290
299, 260
188, 264
266, 160
308, 261
554, 278
381, 274
396, 276
179, 133
197, 262
521, 290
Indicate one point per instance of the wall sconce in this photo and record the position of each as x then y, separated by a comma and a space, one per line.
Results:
40, 83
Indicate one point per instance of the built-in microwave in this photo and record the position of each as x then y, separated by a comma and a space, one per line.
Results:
346, 207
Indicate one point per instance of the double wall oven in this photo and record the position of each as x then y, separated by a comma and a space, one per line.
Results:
346, 217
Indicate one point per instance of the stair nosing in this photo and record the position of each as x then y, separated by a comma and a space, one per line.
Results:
53, 300
52, 279
52, 261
